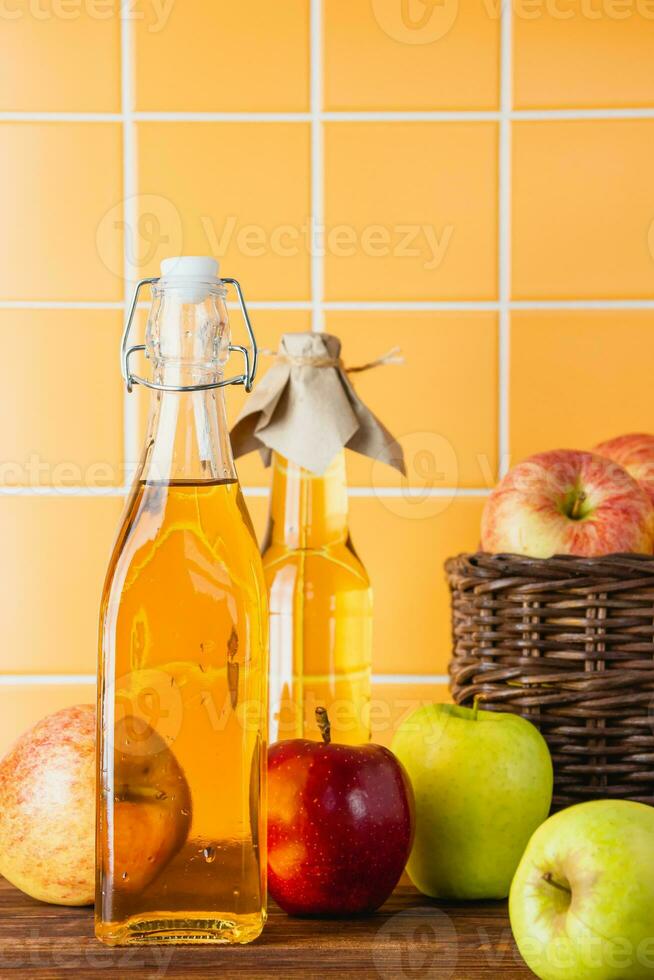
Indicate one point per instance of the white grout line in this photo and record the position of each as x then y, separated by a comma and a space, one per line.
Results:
433, 115
255, 304
19, 680
417, 492
411, 305
545, 115
504, 235
224, 117
583, 304
6, 491
258, 304
317, 170
76, 117
30, 680
410, 679
120, 491
53, 304
446, 115
472, 115
354, 306
130, 218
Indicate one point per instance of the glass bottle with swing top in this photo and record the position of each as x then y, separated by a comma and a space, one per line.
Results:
183, 648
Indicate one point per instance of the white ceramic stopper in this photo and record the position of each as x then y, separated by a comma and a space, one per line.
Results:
189, 275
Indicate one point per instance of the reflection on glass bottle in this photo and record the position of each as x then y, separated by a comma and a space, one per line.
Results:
320, 606
183, 671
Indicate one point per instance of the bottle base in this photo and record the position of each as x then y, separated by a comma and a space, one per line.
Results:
182, 930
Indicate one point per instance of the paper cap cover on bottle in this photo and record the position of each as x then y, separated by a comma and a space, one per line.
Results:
307, 410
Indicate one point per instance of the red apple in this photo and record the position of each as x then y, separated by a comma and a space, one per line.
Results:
47, 809
634, 452
340, 826
566, 502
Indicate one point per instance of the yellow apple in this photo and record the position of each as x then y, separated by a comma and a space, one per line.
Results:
47, 809
48, 806
582, 900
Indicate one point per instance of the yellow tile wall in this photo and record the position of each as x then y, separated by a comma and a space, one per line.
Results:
60, 179
59, 547
366, 67
600, 60
200, 57
431, 235
63, 63
609, 398
583, 204
234, 188
444, 353
471, 181
65, 427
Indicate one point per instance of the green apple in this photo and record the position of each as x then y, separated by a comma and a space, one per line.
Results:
582, 900
482, 783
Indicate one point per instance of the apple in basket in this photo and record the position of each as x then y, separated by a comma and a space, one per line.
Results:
567, 502
634, 452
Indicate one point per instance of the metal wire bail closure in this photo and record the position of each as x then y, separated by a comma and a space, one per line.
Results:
250, 357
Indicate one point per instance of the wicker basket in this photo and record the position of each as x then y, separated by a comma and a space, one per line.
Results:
568, 643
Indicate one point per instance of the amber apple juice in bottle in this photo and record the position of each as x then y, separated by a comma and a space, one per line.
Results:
183, 656
320, 606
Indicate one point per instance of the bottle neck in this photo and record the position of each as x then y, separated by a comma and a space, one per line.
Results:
306, 510
187, 436
187, 439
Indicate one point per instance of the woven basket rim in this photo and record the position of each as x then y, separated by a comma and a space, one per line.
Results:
619, 564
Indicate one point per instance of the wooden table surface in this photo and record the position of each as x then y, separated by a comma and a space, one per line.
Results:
410, 938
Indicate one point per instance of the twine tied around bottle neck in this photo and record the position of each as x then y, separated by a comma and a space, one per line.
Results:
392, 356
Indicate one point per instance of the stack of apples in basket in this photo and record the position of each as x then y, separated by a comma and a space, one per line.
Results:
462, 800
568, 502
